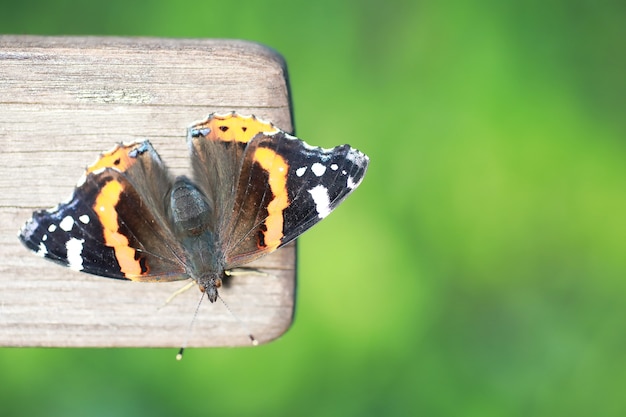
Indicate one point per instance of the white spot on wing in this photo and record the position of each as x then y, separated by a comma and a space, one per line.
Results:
44, 238
318, 169
74, 249
43, 251
67, 223
334, 167
300, 171
351, 184
52, 228
84, 218
319, 193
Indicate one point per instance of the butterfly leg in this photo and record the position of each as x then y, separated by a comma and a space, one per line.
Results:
178, 292
237, 272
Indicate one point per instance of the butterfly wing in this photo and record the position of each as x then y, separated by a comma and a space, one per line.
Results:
115, 223
217, 146
285, 187
268, 187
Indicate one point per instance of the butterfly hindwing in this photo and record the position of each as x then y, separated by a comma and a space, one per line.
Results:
217, 145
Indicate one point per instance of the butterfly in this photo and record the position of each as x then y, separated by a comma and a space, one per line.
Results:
254, 189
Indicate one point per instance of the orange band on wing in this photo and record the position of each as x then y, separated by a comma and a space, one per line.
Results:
117, 158
276, 168
234, 128
105, 208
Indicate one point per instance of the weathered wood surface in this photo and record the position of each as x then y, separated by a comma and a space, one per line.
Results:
63, 100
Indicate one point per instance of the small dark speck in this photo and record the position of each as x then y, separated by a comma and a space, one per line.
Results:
223, 128
244, 128
116, 162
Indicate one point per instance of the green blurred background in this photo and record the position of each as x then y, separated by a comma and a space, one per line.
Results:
480, 268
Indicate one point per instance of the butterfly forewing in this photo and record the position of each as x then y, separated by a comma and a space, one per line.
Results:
285, 187
324, 178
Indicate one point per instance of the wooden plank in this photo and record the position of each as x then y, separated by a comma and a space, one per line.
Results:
63, 100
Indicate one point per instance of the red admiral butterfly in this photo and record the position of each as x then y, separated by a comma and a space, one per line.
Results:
255, 189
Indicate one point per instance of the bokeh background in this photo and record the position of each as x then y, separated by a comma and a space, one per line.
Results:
480, 269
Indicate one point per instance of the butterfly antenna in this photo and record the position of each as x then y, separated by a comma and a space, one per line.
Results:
179, 355
253, 339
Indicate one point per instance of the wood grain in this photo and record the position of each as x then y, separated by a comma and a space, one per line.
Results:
63, 100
